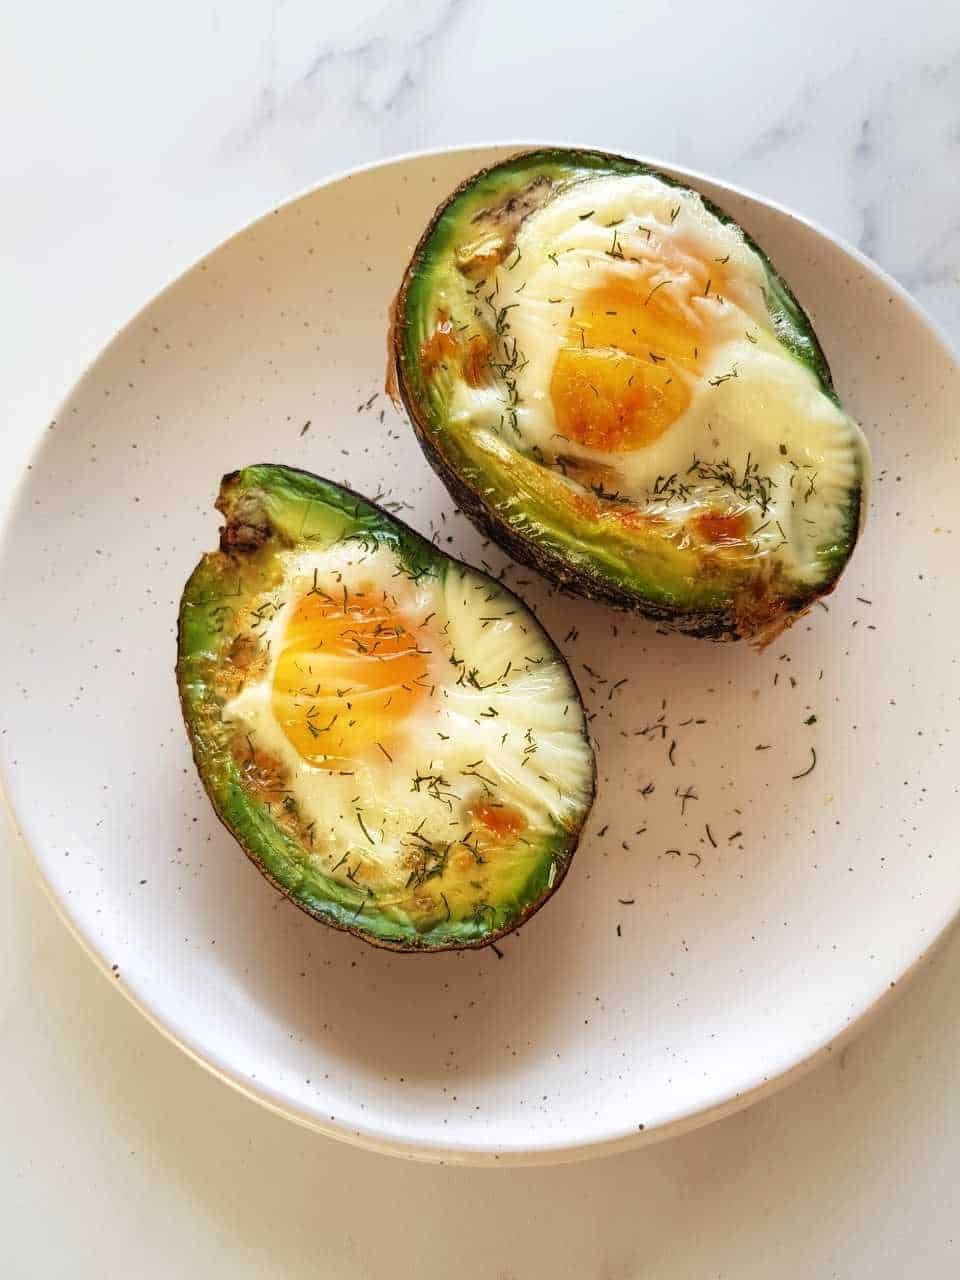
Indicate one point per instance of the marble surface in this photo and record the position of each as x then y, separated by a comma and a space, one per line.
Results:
142, 137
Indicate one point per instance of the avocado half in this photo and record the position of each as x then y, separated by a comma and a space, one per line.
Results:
389, 734
560, 508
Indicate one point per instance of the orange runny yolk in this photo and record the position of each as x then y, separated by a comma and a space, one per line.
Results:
499, 820
350, 673
495, 825
621, 378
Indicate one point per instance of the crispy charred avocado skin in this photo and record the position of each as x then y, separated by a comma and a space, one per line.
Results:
451, 327
288, 536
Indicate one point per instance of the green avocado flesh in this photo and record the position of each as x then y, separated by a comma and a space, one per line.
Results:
389, 734
616, 385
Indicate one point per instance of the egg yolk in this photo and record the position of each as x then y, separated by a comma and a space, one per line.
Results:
623, 375
350, 673
500, 820
439, 347
722, 528
442, 346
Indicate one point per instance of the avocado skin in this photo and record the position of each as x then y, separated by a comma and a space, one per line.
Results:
759, 620
246, 537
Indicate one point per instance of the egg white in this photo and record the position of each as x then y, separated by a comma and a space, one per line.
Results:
533, 753
753, 403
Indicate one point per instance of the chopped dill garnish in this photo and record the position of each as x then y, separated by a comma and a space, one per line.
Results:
436, 786
750, 486
646, 301
684, 796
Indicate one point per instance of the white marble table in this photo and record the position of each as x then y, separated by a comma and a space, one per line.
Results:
136, 138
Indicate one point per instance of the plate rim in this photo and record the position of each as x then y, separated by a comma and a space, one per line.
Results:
371, 1137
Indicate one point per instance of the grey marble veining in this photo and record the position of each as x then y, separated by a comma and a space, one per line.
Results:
864, 138
898, 159
371, 65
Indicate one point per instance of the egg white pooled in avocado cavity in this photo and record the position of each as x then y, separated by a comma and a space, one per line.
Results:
615, 363
428, 736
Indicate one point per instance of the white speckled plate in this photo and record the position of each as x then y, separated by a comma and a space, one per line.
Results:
700, 950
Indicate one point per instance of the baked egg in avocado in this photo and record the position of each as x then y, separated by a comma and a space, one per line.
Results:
615, 383
389, 734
